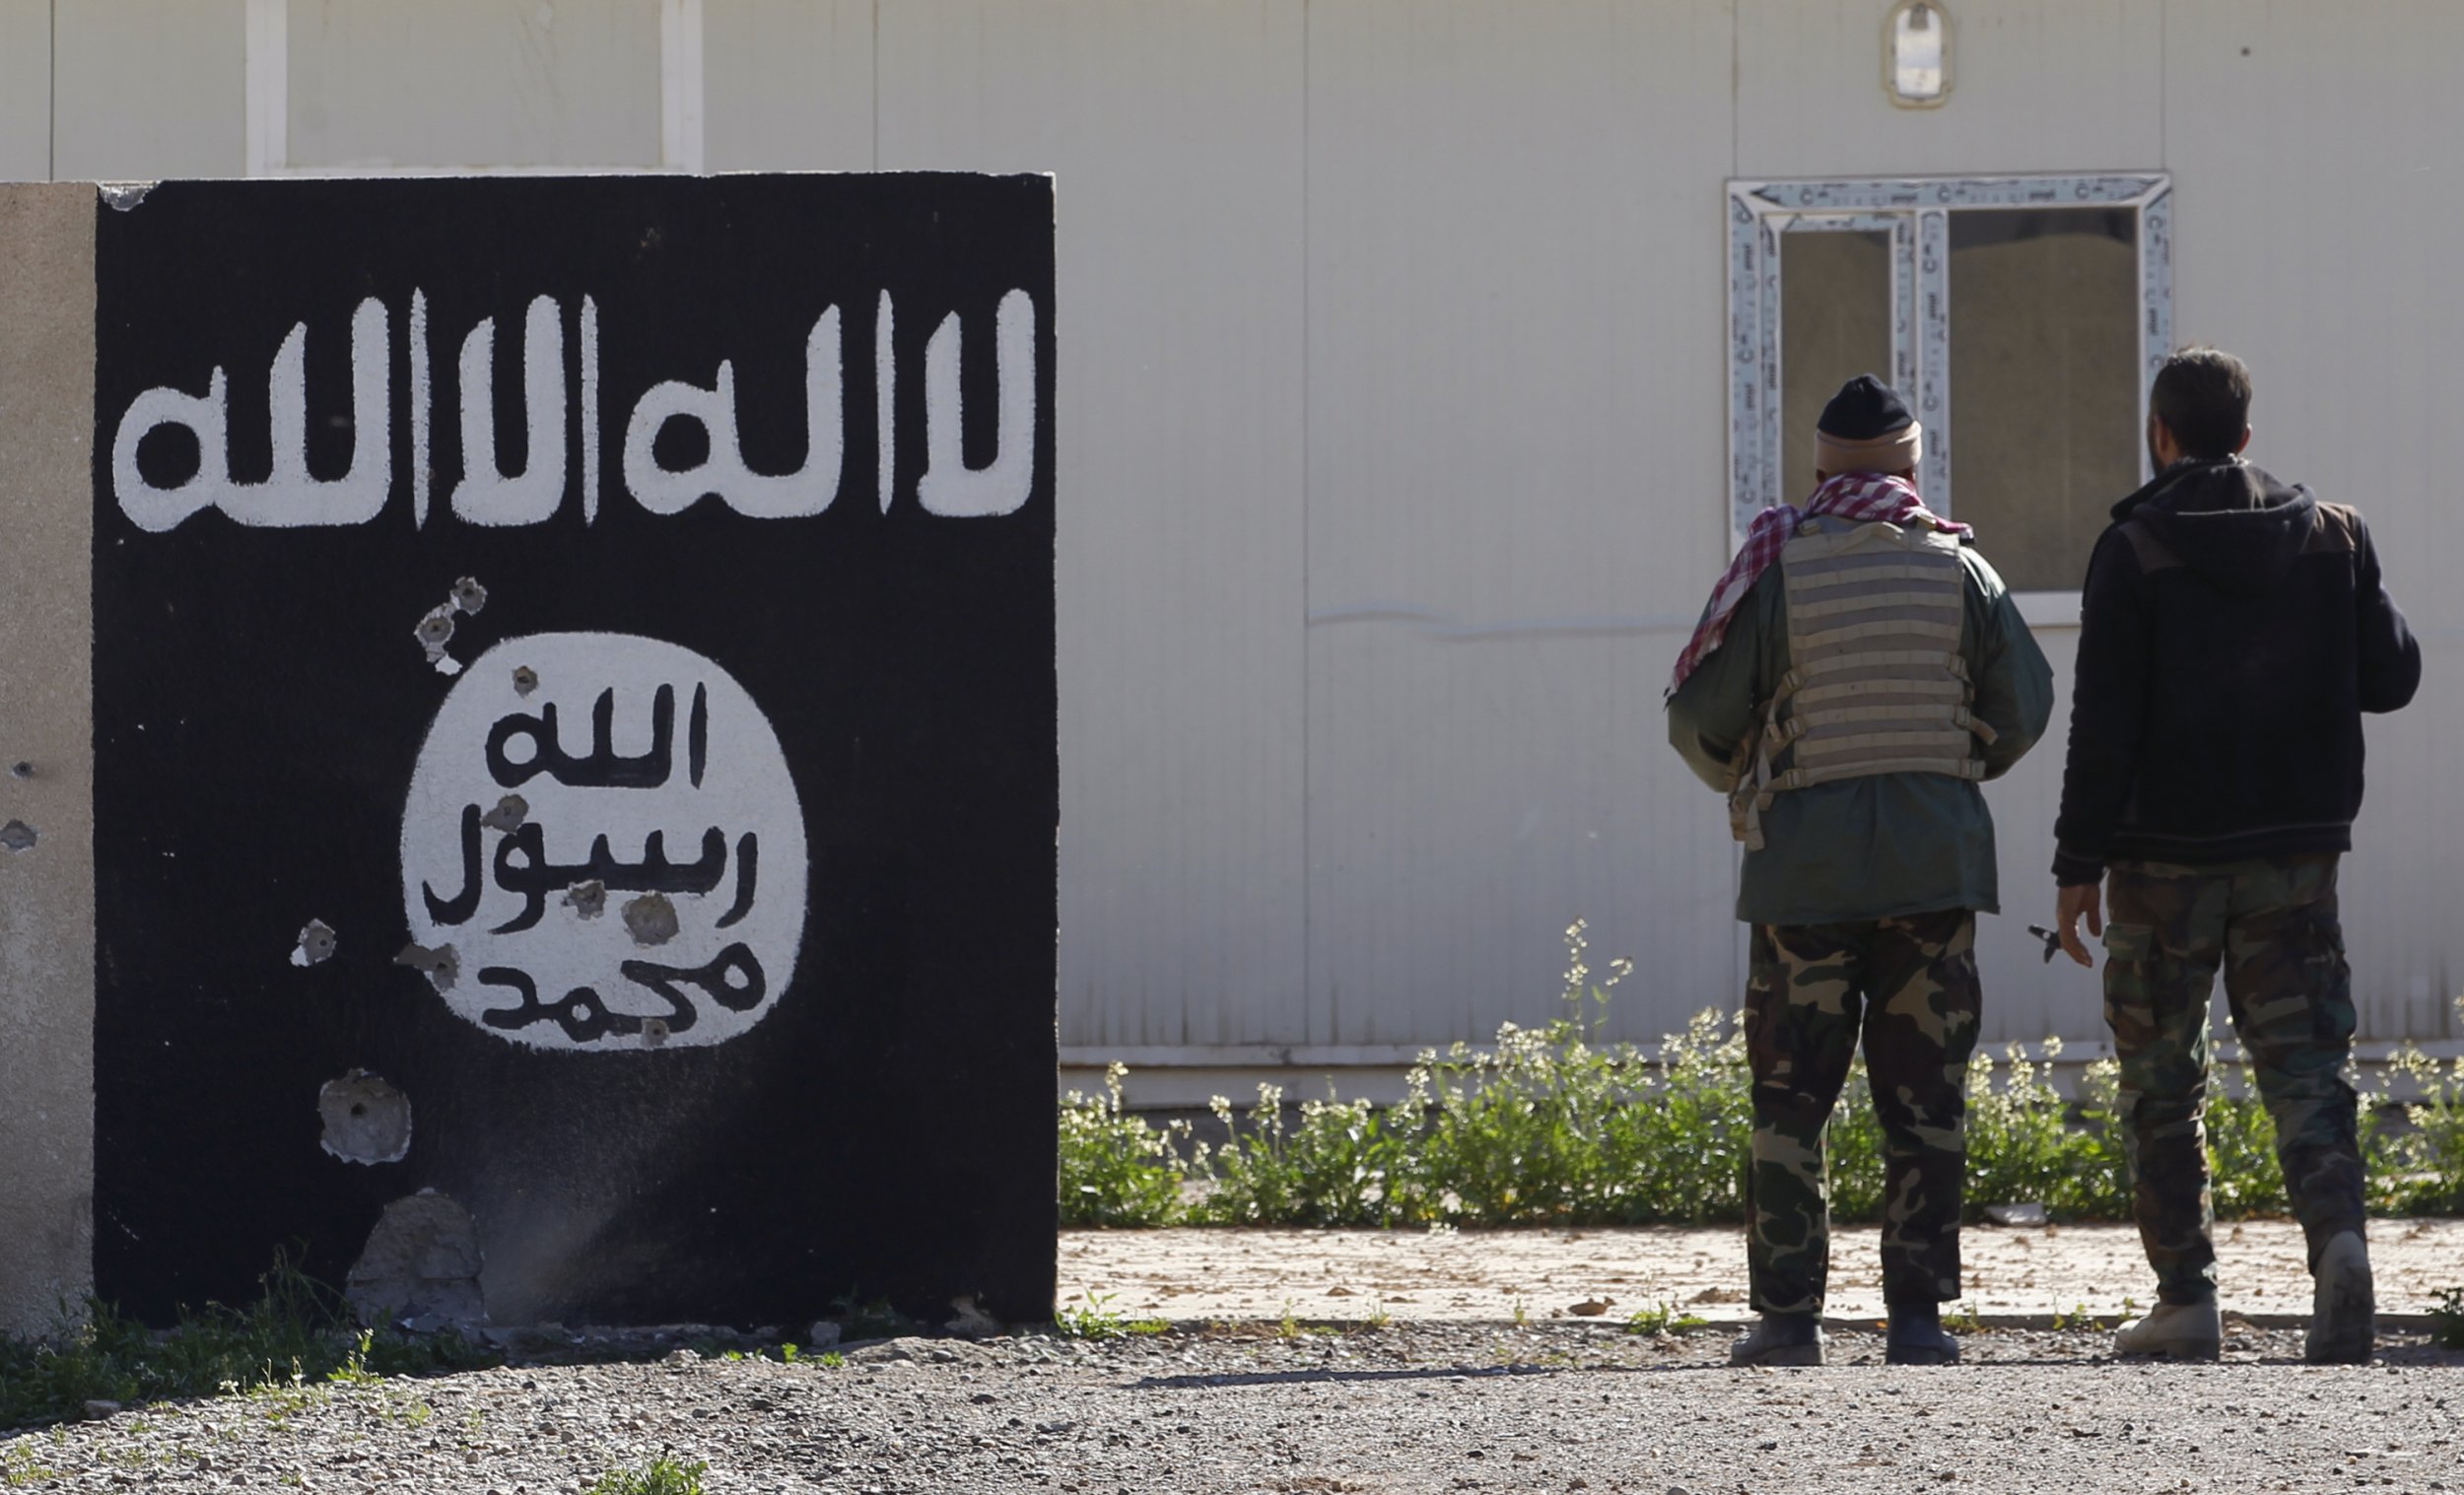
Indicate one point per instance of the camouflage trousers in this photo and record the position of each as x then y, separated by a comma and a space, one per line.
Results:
1910, 985
2272, 926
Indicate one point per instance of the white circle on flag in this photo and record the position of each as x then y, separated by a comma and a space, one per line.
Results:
604, 829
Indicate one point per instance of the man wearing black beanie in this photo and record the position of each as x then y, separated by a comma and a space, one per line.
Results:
2233, 632
1858, 672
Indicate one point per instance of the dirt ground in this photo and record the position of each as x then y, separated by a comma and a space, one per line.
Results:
2014, 1276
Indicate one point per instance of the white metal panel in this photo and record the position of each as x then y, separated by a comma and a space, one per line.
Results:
2307, 144
788, 85
476, 83
1472, 798
2039, 85
25, 89
2026, 997
144, 90
1515, 382
1175, 133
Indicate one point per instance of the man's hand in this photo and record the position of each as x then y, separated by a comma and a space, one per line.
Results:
2079, 898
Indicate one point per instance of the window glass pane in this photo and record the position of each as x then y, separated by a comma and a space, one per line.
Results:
1834, 324
2044, 383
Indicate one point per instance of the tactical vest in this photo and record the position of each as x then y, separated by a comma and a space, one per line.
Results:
1876, 683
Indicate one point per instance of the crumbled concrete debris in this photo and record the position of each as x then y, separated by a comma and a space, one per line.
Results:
367, 1120
969, 1322
316, 946
587, 899
509, 814
17, 836
442, 966
650, 920
421, 1259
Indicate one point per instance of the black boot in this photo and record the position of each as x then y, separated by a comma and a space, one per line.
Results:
1917, 1337
1781, 1339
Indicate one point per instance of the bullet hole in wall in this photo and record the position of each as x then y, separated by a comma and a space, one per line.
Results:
316, 946
436, 626
367, 1120
509, 814
442, 966
650, 920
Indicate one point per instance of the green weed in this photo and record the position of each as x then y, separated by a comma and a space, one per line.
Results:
1553, 1127
1096, 1321
353, 1371
1117, 1168
1664, 1318
297, 1335
2420, 1169
2448, 1320
281, 1399
18, 1467
661, 1476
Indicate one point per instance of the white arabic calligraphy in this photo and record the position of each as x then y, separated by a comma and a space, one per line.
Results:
288, 497
797, 494
484, 494
487, 495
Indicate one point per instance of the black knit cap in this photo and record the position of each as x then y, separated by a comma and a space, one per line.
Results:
1864, 408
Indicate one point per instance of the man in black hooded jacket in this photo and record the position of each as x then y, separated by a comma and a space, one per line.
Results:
2233, 631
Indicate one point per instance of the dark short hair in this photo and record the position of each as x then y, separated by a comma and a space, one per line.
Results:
2203, 396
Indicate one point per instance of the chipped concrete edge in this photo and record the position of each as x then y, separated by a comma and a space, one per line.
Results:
47, 751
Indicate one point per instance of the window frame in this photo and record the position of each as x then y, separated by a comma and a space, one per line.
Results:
1916, 213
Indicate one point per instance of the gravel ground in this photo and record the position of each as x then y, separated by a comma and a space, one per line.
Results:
1555, 1406
2262, 1270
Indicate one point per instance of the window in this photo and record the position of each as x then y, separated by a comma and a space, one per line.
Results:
2022, 317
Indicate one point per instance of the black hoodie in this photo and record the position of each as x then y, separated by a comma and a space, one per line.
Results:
2232, 633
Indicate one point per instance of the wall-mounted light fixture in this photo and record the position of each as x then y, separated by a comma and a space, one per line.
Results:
1916, 54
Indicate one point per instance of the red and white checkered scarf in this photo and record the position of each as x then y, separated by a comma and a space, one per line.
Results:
1858, 496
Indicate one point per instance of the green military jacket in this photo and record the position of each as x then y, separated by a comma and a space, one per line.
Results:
1888, 844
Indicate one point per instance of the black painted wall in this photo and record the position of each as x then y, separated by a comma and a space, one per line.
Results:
886, 1128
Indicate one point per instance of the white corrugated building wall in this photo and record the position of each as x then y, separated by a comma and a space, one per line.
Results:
1395, 407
